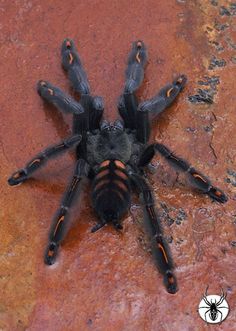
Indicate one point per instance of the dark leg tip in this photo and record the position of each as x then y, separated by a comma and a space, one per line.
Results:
170, 282
48, 260
138, 44
11, 181
45, 89
218, 195
41, 85
180, 81
51, 253
17, 178
67, 44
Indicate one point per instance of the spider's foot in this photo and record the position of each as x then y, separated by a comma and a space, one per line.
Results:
45, 88
67, 44
18, 177
51, 253
69, 53
180, 81
216, 194
136, 64
170, 282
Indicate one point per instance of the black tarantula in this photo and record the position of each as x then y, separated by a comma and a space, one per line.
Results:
113, 155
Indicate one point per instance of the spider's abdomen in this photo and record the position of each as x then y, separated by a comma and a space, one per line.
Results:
111, 191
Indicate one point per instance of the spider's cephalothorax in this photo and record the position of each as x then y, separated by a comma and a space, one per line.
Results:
113, 155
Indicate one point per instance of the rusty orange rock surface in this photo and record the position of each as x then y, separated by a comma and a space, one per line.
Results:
108, 281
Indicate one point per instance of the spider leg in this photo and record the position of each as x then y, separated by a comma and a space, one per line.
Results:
205, 297
93, 105
58, 98
159, 245
155, 106
134, 119
221, 315
164, 98
58, 230
220, 301
72, 64
134, 75
147, 156
40, 159
67, 104
198, 179
95, 112
90, 119
206, 301
206, 313
87, 113
223, 296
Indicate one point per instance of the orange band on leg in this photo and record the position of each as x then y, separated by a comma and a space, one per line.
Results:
163, 251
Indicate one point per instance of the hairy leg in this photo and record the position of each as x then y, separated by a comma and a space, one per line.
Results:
134, 75
92, 105
160, 247
200, 181
58, 98
165, 97
40, 159
72, 64
58, 230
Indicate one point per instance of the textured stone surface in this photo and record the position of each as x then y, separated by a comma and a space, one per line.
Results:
108, 281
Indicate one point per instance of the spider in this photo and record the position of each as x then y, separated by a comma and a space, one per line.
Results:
113, 155
213, 307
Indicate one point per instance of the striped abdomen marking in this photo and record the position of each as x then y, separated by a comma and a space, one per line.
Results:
111, 189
